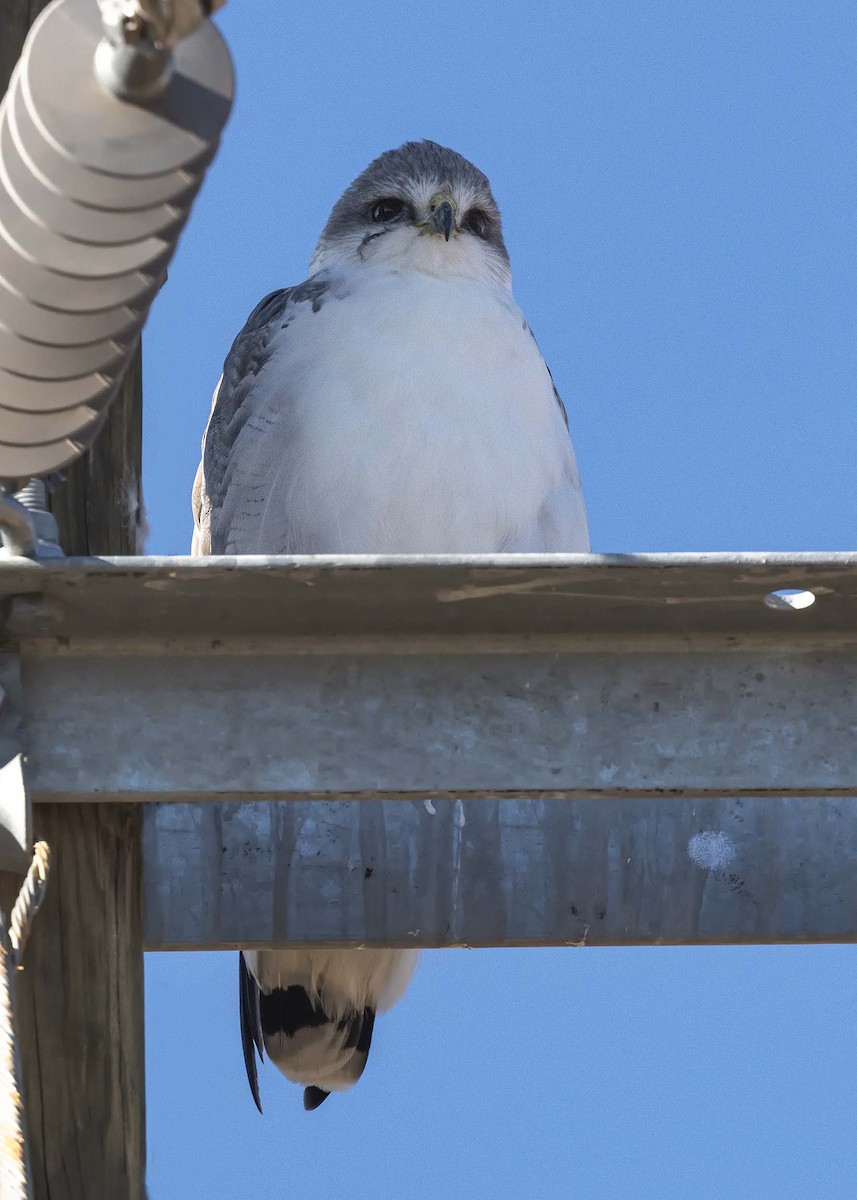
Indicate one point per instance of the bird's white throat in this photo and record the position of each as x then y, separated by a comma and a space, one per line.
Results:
407, 248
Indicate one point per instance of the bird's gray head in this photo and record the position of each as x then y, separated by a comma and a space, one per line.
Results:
421, 207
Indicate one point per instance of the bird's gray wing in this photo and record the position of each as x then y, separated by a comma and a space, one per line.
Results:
251, 1026
556, 394
233, 411
562, 520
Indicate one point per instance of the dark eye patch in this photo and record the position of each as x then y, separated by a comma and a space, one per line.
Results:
477, 222
386, 210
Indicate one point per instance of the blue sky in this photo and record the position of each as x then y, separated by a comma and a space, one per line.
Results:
677, 184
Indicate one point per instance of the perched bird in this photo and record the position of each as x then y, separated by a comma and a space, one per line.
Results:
395, 402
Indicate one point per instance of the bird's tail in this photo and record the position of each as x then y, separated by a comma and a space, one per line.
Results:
314, 1012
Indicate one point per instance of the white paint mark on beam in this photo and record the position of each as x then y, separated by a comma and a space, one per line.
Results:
712, 850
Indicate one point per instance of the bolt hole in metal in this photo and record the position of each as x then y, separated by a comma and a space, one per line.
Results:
790, 599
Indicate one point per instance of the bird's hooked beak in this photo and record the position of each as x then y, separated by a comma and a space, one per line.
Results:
442, 218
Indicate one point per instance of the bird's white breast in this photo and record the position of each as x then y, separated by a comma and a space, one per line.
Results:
409, 414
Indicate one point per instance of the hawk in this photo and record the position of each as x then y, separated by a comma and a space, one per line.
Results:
396, 402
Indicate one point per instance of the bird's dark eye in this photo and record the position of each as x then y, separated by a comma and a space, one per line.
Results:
476, 223
386, 210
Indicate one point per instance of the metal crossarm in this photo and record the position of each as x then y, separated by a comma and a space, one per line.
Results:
517, 697
501, 873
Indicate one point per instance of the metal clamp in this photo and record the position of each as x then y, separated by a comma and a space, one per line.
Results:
27, 529
133, 61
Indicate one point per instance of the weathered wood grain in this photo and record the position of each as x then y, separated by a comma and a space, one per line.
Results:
16, 17
80, 1010
97, 506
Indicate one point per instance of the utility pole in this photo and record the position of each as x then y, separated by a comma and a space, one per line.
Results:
80, 996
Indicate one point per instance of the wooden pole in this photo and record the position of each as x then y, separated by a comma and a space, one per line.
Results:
80, 996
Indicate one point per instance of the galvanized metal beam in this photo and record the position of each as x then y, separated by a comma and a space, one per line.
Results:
507, 873
618, 595
569, 676
447, 717
465, 694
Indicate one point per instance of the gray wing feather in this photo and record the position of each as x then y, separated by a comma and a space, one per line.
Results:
233, 410
556, 394
247, 356
251, 1026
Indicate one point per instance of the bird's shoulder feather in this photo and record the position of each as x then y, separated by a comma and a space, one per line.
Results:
230, 410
